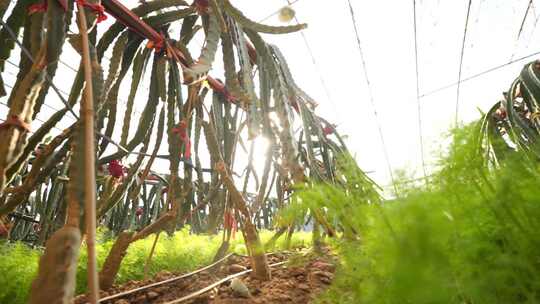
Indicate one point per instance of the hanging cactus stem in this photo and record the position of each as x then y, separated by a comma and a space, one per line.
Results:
159, 142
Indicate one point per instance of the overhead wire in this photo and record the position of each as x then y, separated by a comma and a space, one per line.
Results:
419, 106
516, 43
461, 60
107, 138
70, 67
37, 118
58, 92
15, 65
524, 18
474, 76
62, 91
29, 55
44, 104
536, 18
315, 64
371, 99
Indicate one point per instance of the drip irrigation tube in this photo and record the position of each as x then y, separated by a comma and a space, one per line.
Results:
213, 285
118, 295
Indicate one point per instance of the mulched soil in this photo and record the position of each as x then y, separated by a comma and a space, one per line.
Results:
298, 281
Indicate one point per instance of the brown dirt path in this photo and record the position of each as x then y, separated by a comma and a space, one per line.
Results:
298, 281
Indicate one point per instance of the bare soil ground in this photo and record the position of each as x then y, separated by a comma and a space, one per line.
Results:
298, 281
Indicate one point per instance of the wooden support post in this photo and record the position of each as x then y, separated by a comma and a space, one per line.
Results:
87, 118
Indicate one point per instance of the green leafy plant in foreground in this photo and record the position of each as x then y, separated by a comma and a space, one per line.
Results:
181, 252
470, 236
18, 266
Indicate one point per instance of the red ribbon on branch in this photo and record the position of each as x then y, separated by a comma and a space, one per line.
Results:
229, 222
15, 121
37, 8
329, 129
181, 130
201, 6
157, 45
218, 86
96, 8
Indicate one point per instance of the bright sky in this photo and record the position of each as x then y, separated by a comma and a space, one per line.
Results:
386, 32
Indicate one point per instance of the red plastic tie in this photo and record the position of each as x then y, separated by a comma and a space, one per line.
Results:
329, 129
201, 6
37, 8
96, 8
157, 45
228, 96
218, 86
181, 130
229, 222
15, 121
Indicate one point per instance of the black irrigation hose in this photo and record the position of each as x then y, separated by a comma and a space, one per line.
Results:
213, 285
124, 293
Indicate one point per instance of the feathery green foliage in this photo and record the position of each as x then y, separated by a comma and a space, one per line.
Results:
18, 266
470, 237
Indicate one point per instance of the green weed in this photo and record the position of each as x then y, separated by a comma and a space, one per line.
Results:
181, 252
18, 266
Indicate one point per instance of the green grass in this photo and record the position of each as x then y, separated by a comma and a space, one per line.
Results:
181, 252
18, 266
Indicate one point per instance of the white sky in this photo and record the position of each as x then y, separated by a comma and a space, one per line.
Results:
386, 33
